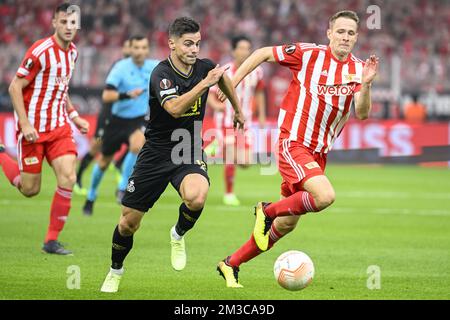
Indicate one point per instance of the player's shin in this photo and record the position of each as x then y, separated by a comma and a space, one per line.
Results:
186, 219
121, 246
250, 250
58, 213
10, 168
299, 203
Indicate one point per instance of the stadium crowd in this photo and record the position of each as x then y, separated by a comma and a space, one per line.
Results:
415, 31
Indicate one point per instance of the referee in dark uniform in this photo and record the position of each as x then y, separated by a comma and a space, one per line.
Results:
173, 150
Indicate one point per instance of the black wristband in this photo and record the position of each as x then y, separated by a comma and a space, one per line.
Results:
124, 95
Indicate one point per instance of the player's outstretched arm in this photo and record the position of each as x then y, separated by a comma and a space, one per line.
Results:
176, 107
15, 92
227, 88
363, 102
259, 56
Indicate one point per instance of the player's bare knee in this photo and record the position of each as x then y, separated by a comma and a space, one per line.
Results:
196, 201
285, 226
195, 205
67, 180
325, 199
30, 191
129, 223
127, 227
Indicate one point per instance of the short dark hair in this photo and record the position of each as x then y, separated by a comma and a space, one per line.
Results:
182, 26
343, 14
137, 37
236, 39
62, 7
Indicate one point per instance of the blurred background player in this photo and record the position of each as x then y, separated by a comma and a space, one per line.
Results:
126, 89
326, 81
179, 89
39, 94
237, 146
104, 117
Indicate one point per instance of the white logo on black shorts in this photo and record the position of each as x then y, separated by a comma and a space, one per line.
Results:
131, 187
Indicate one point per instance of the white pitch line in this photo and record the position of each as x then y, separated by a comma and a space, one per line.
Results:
359, 194
247, 209
396, 211
394, 195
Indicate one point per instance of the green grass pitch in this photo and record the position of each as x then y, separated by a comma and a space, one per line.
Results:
394, 217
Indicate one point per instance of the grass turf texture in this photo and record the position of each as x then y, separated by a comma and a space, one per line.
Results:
397, 218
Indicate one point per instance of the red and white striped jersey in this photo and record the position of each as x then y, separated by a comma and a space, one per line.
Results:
245, 92
49, 68
317, 103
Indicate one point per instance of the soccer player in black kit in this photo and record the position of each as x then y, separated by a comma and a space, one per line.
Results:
173, 150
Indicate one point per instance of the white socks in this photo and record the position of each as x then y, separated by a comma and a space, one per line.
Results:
175, 235
117, 271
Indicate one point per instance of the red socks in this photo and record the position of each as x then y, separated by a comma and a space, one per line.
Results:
10, 168
250, 250
58, 213
230, 170
297, 204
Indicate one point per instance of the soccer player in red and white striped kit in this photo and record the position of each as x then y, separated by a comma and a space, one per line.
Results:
237, 146
39, 94
326, 81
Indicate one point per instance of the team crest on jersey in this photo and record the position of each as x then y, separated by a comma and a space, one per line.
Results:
131, 187
352, 78
28, 64
165, 84
290, 49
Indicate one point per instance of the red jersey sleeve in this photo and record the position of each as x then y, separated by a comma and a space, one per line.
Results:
29, 67
289, 55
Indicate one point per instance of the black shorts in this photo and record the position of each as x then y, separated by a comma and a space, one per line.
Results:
103, 118
118, 131
151, 176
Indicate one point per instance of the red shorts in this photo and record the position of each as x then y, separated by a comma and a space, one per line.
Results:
297, 164
52, 145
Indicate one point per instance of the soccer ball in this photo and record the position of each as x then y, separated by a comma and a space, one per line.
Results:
294, 270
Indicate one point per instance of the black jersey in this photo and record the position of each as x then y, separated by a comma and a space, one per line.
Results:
167, 82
